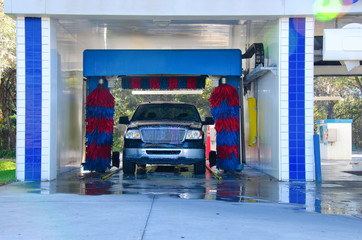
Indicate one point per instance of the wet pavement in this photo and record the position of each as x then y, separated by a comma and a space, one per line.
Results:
343, 170
337, 196
171, 203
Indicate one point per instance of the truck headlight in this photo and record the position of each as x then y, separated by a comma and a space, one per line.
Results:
133, 134
194, 134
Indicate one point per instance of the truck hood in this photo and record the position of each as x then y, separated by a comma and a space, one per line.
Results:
138, 124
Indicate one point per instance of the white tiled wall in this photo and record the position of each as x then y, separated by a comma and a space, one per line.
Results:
268, 127
20, 100
284, 192
309, 98
268, 105
48, 132
45, 136
283, 102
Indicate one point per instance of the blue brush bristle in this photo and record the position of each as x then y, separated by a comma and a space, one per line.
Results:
98, 164
227, 138
224, 111
229, 164
100, 138
99, 112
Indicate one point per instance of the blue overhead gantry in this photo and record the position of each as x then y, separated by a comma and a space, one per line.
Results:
168, 65
226, 62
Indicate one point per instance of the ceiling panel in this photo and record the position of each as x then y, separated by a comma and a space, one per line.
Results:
77, 34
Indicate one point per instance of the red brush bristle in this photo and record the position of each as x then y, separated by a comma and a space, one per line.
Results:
102, 125
225, 152
101, 151
227, 125
100, 98
224, 92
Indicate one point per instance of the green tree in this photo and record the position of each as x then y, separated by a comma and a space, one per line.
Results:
7, 40
8, 108
8, 80
349, 107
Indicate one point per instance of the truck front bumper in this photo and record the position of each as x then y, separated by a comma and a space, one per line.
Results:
164, 155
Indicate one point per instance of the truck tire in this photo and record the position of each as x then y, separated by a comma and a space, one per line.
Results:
212, 158
115, 159
200, 168
128, 167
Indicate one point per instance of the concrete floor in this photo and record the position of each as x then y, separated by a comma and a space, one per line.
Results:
343, 170
339, 193
174, 204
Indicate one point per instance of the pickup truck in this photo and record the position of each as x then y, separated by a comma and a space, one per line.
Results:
164, 133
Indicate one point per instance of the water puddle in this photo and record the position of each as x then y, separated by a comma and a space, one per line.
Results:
250, 186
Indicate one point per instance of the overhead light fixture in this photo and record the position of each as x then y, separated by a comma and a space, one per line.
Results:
166, 92
215, 80
111, 80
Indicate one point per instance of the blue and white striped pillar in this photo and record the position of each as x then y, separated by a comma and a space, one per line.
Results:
296, 39
33, 160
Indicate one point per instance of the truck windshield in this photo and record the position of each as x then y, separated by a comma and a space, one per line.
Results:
166, 112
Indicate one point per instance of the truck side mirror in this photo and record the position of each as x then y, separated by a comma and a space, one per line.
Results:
208, 121
124, 120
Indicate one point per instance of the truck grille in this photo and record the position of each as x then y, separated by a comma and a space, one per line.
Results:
163, 152
163, 135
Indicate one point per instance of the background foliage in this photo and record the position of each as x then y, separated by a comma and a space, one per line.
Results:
7, 80
349, 107
7, 171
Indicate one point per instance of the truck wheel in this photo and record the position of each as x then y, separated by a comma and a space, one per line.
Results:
212, 158
115, 159
199, 168
128, 167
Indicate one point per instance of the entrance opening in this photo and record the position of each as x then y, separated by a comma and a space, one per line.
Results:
181, 71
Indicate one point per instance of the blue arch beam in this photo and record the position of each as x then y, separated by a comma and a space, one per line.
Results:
221, 62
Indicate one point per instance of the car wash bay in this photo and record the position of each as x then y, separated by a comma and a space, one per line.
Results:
166, 70
250, 185
65, 40
62, 140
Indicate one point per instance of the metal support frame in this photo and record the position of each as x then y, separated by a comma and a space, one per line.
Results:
241, 122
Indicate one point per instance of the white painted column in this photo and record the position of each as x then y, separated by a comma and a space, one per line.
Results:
20, 98
283, 99
49, 99
309, 98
